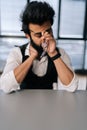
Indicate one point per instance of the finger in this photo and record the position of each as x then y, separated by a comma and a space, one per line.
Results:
46, 34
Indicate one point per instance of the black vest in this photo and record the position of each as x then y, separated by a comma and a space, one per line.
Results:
32, 81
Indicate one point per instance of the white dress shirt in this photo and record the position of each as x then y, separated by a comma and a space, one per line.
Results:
8, 82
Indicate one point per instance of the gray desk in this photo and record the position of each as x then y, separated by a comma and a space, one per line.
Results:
43, 110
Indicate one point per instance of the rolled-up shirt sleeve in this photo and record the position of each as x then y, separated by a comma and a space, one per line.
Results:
74, 83
8, 82
70, 87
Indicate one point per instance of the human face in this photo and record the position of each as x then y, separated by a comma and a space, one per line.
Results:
37, 32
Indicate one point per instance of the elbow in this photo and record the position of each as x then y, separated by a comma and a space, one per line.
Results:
73, 85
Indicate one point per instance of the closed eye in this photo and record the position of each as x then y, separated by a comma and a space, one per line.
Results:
49, 30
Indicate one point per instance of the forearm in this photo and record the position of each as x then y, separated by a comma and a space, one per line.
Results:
21, 71
64, 73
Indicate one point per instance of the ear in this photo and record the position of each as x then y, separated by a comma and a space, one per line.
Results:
27, 35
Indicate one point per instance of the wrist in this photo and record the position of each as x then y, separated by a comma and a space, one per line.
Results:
32, 57
52, 53
55, 55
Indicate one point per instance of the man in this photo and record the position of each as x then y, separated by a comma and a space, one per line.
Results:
38, 64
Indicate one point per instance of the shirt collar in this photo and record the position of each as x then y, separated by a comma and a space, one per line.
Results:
27, 50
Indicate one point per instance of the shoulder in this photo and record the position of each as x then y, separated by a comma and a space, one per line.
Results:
16, 50
15, 54
63, 53
65, 57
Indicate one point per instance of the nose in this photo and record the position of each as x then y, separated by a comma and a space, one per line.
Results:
43, 39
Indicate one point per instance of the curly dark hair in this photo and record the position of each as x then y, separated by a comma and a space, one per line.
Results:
36, 12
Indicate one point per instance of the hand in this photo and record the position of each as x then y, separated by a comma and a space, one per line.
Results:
33, 52
49, 43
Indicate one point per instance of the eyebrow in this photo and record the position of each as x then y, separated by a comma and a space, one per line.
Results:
39, 32
34, 32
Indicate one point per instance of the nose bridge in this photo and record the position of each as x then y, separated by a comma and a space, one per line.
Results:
42, 37
42, 33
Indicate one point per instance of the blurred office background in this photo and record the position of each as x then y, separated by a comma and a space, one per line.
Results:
70, 28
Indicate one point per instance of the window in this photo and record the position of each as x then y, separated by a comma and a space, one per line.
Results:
72, 18
10, 16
